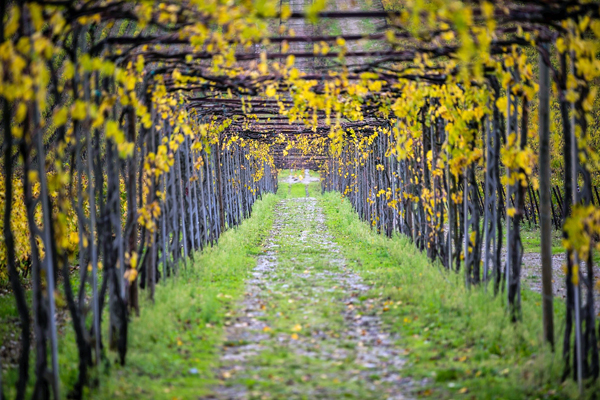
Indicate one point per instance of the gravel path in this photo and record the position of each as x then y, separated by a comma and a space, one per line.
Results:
532, 276
304, 329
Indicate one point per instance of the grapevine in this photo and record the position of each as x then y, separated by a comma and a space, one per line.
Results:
136, 132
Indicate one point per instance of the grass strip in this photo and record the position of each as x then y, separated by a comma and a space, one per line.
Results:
460, 343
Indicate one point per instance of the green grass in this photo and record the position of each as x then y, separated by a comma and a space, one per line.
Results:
298, 190
8, 312
462, 342
9, 317
531, 239
284, 173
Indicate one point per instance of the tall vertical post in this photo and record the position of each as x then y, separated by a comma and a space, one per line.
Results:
220, 184
576, 283
93, 248
545, 199
47, 240
467, 267
508, 195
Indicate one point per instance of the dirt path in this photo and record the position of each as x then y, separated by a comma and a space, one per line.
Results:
304, 329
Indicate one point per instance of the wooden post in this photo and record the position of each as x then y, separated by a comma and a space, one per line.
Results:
545, 201
576, 284
508, 241
220, 185
467, 267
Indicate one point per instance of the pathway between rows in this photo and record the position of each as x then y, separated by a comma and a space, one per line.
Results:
304, 329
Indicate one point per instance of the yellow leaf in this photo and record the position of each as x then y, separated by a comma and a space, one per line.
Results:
133, 258
313, 10
78, 111
488, 9
502, 103
294, 336
286, 11
560, 45
60, 116
74, 237
21, 112
271, 91
131, 274
113, 132
130, 83
140, 64
297, 328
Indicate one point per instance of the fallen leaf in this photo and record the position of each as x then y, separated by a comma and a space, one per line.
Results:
297, 328
463, 390
267, 329
294, 336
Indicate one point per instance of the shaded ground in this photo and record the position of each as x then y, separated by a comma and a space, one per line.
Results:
305, 328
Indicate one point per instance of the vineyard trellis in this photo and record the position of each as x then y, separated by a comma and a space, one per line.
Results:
136, 132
